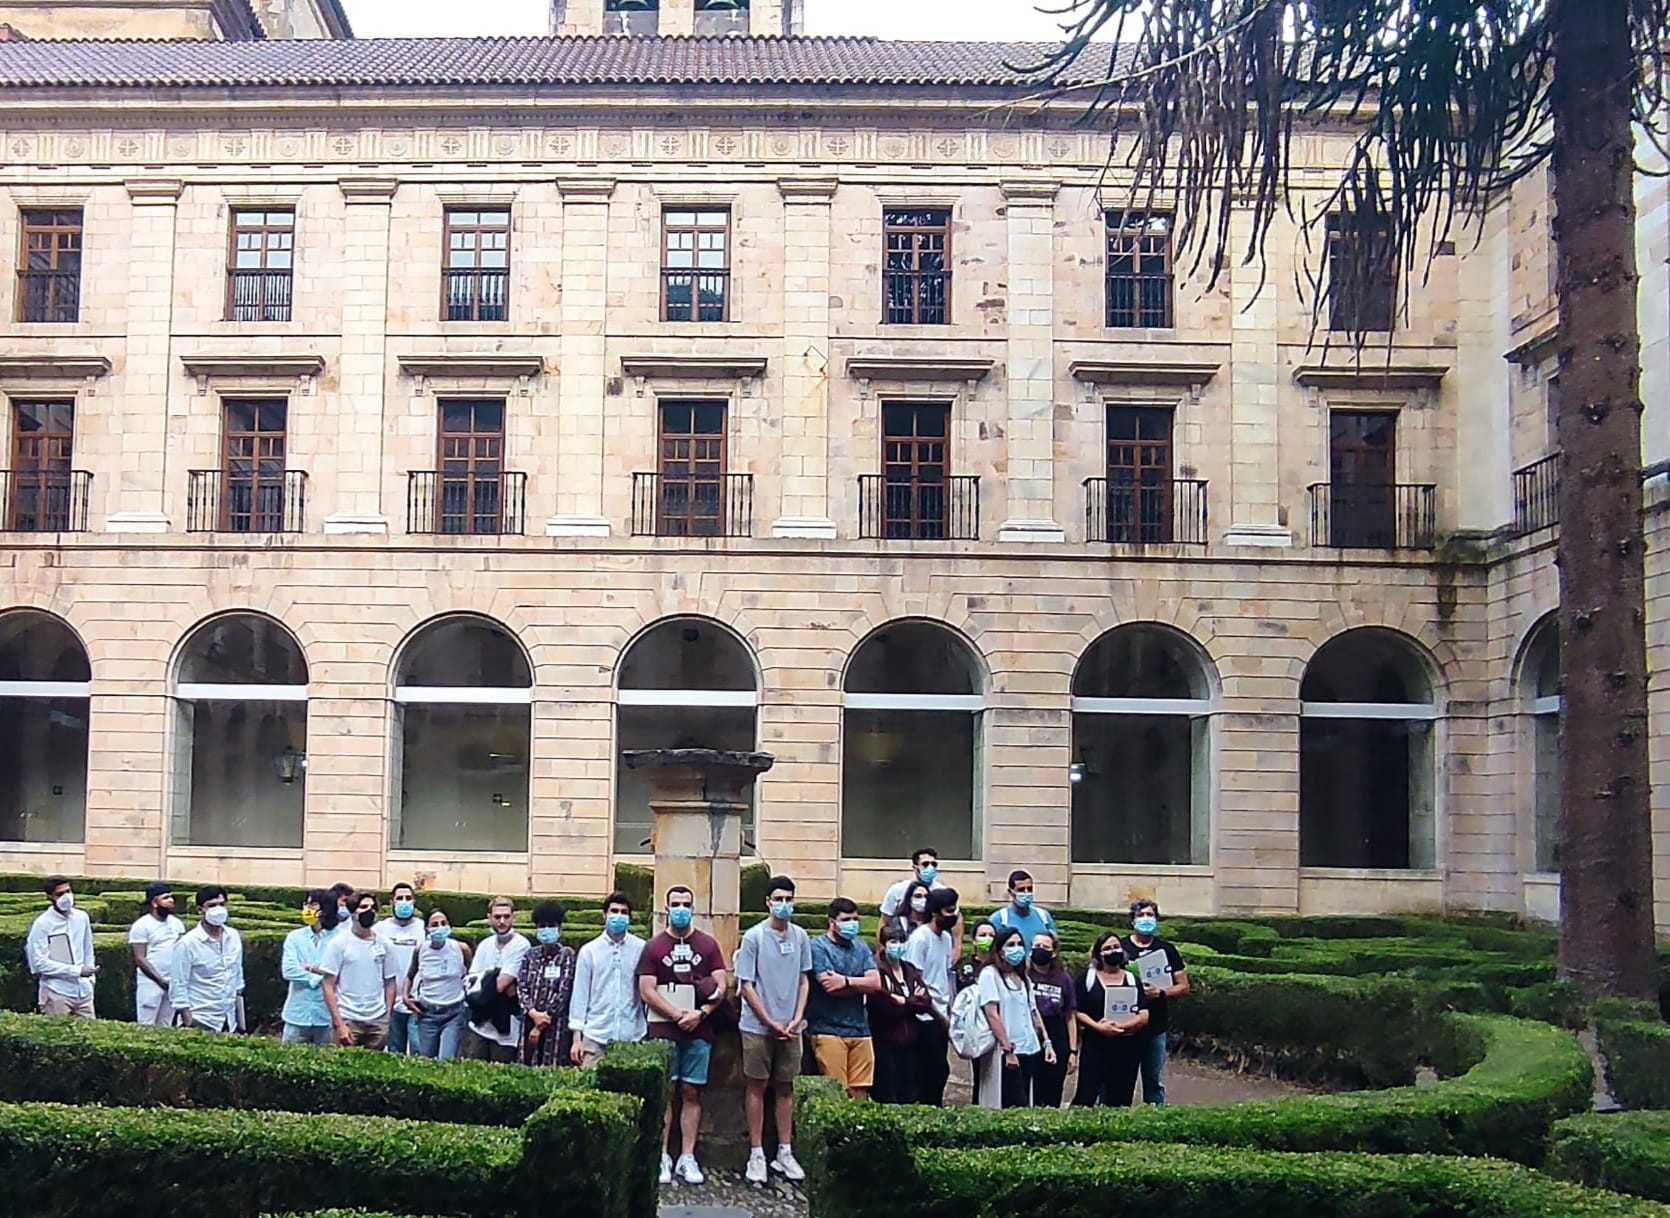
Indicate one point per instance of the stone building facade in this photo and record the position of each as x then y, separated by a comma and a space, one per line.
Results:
397, 430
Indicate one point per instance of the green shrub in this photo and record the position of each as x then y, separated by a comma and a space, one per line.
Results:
1122, 1181
637, 881
1625, 1151
640, 1070
578, 1155
1637, 1058
1555, 1002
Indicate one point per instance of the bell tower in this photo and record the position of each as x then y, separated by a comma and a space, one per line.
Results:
662, 18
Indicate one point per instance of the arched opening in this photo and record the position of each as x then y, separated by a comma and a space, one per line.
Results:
240, 735
1540, 694
684, 683
45, 687
463, 734
1367, 780
911, 744
1142, 770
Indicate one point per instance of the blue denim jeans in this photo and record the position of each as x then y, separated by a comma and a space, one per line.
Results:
401, 1039
1153, 1050
439, 1030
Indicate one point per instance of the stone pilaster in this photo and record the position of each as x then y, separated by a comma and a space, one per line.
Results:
1030, 429
362, 381
806, 217
1255, 397
583, 358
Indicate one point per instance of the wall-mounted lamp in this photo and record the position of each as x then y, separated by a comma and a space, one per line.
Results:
289, 765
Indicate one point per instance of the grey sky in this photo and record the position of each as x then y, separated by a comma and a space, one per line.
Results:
977, 19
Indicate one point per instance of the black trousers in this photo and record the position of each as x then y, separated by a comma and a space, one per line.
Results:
1047, 1086
896, 1070
1018, 1080
932, 1066
1107, 1072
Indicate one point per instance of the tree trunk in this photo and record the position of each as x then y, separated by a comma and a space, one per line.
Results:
1606, 855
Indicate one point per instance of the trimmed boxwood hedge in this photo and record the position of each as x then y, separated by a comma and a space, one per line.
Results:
1146, 1181
1625, 1151
1637, 1049
641, 1070
1522, 1077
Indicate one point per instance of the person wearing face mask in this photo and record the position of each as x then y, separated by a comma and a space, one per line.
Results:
544, 984
1057, 996
208, 986
913, 909
1159, 966
59, 952
772, 966
495, 1031
1011, 1010
844, 974
343, 894
1112, 1014
152, 940
402, 932
435, 989
606, 1007
1021, 913
924, 863
979, 956
894, 1011
360, 980
307, 1020
931, 950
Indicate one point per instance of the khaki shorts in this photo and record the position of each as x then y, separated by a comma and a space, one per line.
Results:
766, 1057
850, 1060
53, 1003
590, 1054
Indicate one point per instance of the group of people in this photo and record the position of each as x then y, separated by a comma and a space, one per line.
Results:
881, 1018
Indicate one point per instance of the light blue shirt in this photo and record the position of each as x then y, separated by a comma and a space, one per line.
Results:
1034, 921
605, 1008
305, 1007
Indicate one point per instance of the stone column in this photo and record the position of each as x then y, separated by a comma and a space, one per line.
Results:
1030, 430
805, 267
136, 506
583, 376
1255, 397
360, 408
677, 17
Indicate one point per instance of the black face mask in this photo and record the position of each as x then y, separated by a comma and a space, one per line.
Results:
1042, 956
368, 918
1113, 959
947, 921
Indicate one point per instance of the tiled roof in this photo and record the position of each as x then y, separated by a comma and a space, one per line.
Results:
513, 62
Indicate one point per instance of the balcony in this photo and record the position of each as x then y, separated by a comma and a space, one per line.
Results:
258, 295
1171, 512
218, 501
915, 298
688, 295
476, 295
1536, 496
937, 509
693, 507
1401, 516
483, 505
51, 296
43, 501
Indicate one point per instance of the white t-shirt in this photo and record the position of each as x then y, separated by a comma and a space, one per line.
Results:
360, 967
896, 895
402, 942
930, 951
159, 935
507, 958
1015, 1006
440, 975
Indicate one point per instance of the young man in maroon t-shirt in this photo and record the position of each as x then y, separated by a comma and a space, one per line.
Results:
681, 976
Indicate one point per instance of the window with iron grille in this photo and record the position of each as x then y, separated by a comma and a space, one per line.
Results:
476, 275
1362, 475
1139, 270
40, 498
1139, 491
916, 280
695, 264
692, 498
916, 456
471, 466
1362, 273
49, 265
260, 258
252, 492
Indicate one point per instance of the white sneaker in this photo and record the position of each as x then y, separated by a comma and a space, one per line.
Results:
756, 1172
688, 1171
666, 1169
785, 1162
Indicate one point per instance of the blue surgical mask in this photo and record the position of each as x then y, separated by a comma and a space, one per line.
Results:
1146, 925
927, 872
1015, 954
342, 913
782, 910
848, 929
403, 909
1023, 900
616, 924
896, 950
440, 934
680, 916
549, 935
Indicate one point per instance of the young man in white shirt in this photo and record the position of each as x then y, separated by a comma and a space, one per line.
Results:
208, 986
502, 950
59, 952
403, 932
924, 864
359, 980
152, 940
931, 949
606, 1007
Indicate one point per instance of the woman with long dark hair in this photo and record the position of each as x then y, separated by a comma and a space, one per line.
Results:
1057, 997
894, 1015
1112, 1012
1011, 1008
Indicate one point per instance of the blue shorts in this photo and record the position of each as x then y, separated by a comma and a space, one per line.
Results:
690, 1062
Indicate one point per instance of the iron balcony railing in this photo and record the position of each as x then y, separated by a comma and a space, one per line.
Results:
919, 509
480, 504
692, 507
45, 501
477, 295
915, 298
1131, 513
1536, 496
1394, 516
222, 501
694, 295
1139, 300
258, 295
49, 295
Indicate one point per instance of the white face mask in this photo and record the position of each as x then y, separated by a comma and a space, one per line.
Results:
919, 904
216, 915
64, 902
